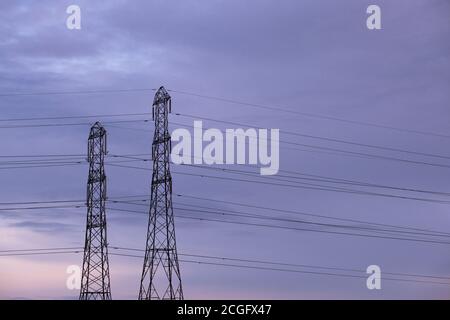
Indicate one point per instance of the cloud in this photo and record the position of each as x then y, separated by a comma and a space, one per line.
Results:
44, 227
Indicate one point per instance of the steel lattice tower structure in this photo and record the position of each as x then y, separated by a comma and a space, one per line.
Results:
95, 282
161, 277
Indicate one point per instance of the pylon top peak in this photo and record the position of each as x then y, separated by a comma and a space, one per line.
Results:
97, 130
97, 124
162, 89
161, 95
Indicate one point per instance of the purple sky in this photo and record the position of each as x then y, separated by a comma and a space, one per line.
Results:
309, 56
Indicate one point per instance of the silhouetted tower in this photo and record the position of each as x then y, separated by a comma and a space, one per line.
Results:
161, 273
95, 283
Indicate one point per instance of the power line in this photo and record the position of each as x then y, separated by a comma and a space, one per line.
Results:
319, 178
68, 124
223, 212
42, 161
319, 149
245, 215
226, 122
362, 183
319, 186
39, 202
239, 266
42, 207
6, 209
264, 217
133, 202
259, 207
45, 93
339, 151
47, 251
25, 163
318, 137
311, 115
293, 228
41, 166
302, 213
307, 272
37, 253
427, 231
76, 117
343, 151
231, 101
40, 249
42, 155
313, 230
295, 185
315, 149
288, 264
287, 270
55, 164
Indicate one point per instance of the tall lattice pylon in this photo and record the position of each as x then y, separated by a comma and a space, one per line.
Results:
161, 273
95, 282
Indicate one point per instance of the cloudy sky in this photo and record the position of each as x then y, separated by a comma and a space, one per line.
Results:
317, 59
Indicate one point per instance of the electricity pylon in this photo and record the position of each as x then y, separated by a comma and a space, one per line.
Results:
95, 282
161, 273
